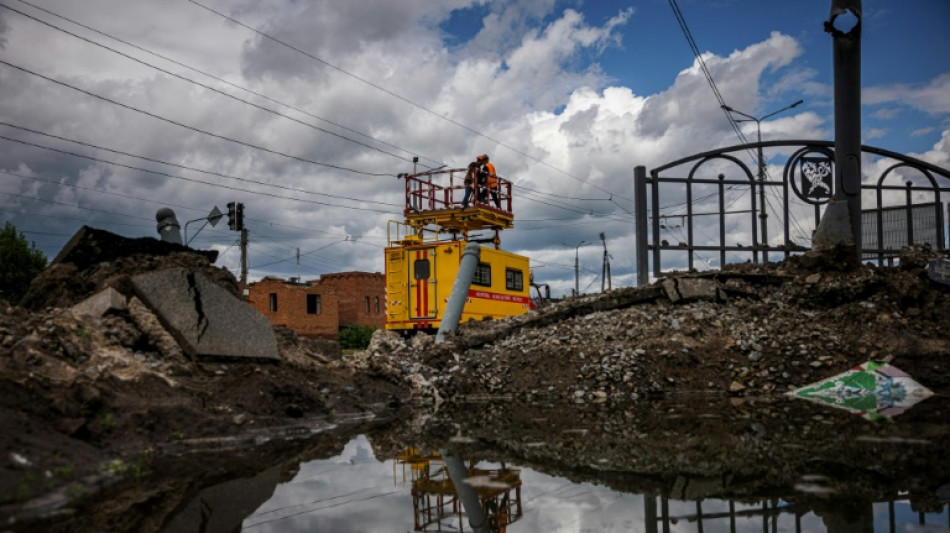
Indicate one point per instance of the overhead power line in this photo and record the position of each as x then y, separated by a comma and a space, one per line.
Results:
186, 126
35, 199
221, 80
173, 176
194, 169
401, 97
204, 86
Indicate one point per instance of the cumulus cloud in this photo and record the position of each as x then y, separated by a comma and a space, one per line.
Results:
525, 86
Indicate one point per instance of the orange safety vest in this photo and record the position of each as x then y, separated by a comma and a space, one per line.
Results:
492, 178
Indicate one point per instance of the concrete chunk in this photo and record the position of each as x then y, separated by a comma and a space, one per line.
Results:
682, 290
101, 303
205, 319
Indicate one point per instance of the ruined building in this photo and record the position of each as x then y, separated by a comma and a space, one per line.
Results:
322, 307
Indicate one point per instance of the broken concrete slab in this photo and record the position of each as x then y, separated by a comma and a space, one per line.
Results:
101, 303
205, 319
682, 290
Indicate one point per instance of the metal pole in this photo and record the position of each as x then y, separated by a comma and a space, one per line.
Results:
846, 52
763, 214
576, 272
640, 190
244, 262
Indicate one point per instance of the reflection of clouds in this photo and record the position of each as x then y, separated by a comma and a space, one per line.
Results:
354, 492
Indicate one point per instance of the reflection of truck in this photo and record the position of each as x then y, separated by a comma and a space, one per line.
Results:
424, 252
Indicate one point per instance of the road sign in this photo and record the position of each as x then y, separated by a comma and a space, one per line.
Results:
214, 216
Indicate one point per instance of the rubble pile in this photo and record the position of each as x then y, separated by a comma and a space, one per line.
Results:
92, 373
750, 330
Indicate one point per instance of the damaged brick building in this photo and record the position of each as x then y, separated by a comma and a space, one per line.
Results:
322, 307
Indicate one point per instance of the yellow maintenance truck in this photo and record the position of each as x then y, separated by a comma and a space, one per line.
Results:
425, 250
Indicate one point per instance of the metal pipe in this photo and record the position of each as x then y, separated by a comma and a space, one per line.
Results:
466, 493
168, 227
463, 281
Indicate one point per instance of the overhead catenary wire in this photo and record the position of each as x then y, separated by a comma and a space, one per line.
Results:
194, 169
224, 81
173, 176
186, 126
401, 98
206, 87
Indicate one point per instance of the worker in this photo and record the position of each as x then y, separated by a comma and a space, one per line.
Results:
492, 178
469, 182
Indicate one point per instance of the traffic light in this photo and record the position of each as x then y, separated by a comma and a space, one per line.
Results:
240, 217
232, 215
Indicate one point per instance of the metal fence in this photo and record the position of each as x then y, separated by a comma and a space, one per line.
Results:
902, 213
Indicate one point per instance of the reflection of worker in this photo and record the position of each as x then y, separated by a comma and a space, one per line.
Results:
492, 179
470, 178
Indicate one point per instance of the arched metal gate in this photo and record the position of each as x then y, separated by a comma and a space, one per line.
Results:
904, 213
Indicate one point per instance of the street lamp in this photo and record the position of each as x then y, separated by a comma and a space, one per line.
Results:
761, 171
577, 287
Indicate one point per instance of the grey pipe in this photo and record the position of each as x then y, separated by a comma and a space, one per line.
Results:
463, 281
168, 227
466, 493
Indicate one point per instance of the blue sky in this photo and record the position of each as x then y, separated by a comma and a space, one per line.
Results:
566, 95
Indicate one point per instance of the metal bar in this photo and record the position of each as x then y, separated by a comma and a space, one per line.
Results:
655, 202
910, 215
689, 224
640, 214
805, 142
722, 220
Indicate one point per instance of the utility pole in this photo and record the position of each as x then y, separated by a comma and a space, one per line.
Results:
763, 215
244, 262
236, 223
577, 268
605, 267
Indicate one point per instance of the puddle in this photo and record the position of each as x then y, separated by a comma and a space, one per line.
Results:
357, 492
707, 465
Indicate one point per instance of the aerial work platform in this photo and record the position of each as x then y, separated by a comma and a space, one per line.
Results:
435, 198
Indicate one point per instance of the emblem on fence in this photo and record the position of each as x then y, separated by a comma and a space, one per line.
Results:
815, 181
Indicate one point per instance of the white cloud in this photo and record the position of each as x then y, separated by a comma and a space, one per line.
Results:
932, 97
885, 113
528, 78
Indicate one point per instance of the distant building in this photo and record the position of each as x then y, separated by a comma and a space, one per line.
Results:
321, 308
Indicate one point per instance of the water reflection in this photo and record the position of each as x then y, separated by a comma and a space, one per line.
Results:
413, 491
436, 501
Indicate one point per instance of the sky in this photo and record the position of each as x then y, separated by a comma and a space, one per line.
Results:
306, 112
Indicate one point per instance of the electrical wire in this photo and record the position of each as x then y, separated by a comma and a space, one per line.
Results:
35, 199
206, 87
222, 80
194, 169
186, 126
402, 98
173, 176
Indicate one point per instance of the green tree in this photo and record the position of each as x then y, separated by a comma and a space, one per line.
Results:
19, 263
355, 337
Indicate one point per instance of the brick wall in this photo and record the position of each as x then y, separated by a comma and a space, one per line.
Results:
291, 300
354, 290
342, 302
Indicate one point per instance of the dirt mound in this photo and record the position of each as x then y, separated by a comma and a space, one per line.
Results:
79, 393
748, 330
94, 259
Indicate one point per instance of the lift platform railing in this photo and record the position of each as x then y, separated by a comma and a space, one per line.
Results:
445, 189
